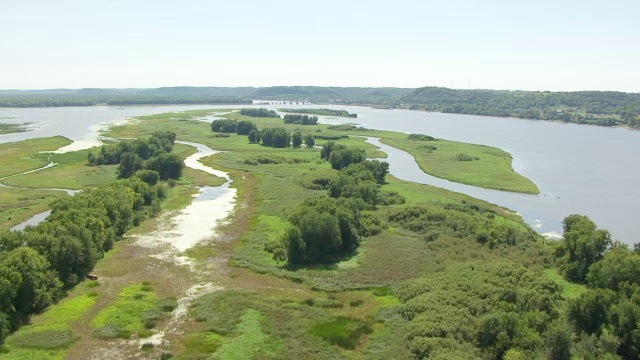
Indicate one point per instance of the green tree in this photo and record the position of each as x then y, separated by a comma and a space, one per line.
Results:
129, 164
591, 311
309, 140
149, 176
618, 268
341, 158
625, 318
38, 286
253, 136
296, 139
243, 127
583, 246
328, 148
559, 341
168, 166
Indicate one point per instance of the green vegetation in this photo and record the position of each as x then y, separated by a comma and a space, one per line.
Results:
300, 119
136, 308
70, 172
91, 97
341, 331
17, 205
477, 165
51, 336
16, 158
605, 108
11, 128
322, 112
262, 112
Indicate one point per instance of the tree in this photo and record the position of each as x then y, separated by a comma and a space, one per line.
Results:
343, 157
625, 317
591, 310
321, 228
243, 127
253, 136
37, 287
620, 267
129, 164
296, 139
328, 148
149, 176
309, 140
224, 125
583, 246
275, 137
168, 166
558, 341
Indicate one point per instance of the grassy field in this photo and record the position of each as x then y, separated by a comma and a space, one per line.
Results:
256, 307
482, 166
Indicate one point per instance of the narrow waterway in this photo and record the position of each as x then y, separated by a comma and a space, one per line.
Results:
403, 166
197, 221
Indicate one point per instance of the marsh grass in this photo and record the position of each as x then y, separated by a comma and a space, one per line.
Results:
71, 172
132, 311
18, 157
51, 334
18, 205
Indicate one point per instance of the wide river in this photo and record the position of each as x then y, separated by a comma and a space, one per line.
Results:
579, 169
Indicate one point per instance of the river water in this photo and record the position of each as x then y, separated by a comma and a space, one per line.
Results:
579, 169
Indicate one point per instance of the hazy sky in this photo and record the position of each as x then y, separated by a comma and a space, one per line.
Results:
502, 44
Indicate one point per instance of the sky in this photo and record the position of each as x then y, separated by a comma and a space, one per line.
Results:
557, 45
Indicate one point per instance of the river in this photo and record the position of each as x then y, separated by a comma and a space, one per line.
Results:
579, 169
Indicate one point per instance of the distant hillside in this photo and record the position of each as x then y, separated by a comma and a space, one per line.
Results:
344, 95
90, 97
607, 108
200, 95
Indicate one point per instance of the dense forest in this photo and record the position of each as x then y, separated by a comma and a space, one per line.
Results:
606, 108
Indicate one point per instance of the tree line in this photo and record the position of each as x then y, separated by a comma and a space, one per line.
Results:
262, 112
151, 157
276, 137
605, 108
38, 264
300, 119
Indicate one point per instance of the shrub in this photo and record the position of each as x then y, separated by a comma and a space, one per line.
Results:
465, 157
342, 331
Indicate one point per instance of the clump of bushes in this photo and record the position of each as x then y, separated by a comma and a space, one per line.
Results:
342, 331
262, 112
421, 137
465, 157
